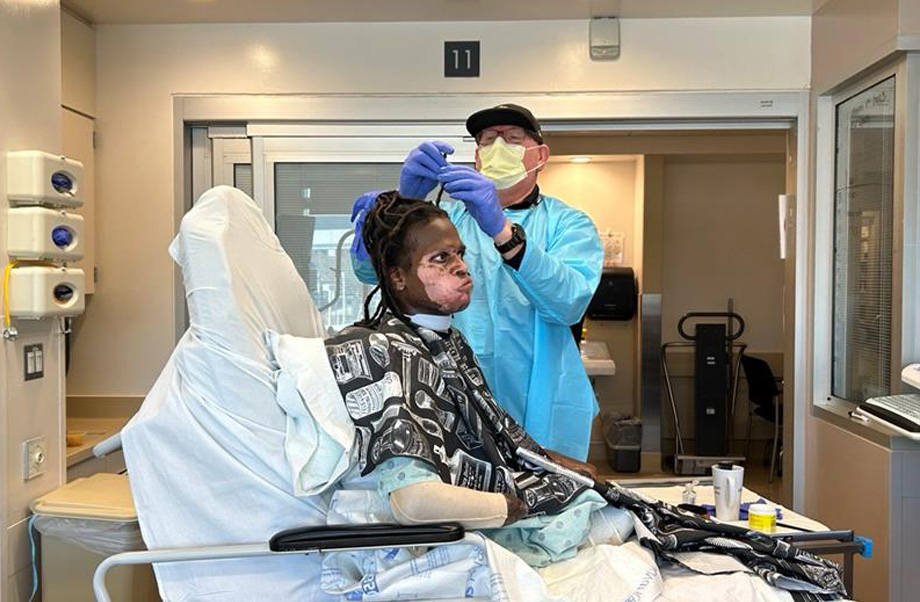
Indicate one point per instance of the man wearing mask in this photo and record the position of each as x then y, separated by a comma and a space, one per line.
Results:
536, 261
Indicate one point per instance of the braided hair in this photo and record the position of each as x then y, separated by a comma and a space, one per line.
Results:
386, 238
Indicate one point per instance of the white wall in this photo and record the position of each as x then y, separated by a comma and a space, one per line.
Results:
30, 118
128, 329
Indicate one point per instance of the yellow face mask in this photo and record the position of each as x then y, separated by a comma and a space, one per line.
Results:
503, 163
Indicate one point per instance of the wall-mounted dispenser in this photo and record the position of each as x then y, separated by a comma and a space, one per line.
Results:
39, 233
37, 292
39, 178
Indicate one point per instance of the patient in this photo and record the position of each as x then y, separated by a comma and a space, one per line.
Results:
429, 430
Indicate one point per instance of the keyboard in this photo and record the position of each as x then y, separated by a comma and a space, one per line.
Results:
900, 410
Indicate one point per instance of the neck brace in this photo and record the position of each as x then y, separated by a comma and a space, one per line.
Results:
432, 321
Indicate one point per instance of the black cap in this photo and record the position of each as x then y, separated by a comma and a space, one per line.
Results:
505, 114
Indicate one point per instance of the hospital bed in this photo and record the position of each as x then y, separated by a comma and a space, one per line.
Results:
216, 465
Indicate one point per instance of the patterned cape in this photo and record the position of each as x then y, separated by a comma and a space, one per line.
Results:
417, 394
414, 393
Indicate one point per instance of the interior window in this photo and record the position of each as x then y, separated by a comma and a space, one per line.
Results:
863, 231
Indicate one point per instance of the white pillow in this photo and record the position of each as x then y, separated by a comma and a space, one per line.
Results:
319, 435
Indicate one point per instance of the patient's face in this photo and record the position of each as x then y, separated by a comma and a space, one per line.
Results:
435, 280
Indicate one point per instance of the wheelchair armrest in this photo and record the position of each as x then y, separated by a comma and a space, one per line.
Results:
291, 541
347, 537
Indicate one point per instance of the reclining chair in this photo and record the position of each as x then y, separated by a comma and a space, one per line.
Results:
206, 452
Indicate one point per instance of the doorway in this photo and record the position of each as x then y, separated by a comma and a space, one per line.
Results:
697, 214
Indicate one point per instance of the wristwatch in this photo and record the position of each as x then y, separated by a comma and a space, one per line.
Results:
517, 237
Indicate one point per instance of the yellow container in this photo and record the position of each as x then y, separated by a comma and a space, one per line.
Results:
762, 517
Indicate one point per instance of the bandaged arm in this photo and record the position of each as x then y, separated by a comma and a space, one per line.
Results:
437, 502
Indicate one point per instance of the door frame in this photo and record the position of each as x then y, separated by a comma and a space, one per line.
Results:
569, 111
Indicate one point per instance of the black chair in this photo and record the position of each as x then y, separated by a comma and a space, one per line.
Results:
764, 393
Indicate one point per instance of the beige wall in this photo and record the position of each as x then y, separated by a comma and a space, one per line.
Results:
720, 240
78, 110
78, 65
849, 467
30, 118
128, 331
849, 36
605, 189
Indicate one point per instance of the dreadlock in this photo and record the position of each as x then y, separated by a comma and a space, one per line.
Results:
386, 239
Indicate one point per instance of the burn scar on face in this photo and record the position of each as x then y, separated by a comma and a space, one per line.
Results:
446, 281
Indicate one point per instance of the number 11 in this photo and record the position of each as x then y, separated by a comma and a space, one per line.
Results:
469, 60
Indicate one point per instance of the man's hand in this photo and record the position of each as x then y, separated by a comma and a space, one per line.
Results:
479, 195
584, 468
517, 509
419, 174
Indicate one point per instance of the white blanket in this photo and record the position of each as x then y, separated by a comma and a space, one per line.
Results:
482, 569
206, 452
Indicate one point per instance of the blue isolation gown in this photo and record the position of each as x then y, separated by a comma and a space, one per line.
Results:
518, 321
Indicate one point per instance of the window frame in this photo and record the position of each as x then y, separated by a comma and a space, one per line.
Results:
905, 302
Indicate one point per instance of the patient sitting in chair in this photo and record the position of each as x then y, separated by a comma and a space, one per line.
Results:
429, 431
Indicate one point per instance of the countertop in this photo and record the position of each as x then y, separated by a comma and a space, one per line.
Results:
96, 429
595, 355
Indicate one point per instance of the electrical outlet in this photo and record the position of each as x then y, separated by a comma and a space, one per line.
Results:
33, 359
34, 455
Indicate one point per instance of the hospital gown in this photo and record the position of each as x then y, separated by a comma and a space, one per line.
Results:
539, 540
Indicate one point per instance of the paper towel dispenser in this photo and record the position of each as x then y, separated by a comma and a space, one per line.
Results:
616, 296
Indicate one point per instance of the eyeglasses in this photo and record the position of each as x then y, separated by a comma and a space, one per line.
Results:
511, 136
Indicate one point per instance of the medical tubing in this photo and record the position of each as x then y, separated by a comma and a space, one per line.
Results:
7, 322
33, 547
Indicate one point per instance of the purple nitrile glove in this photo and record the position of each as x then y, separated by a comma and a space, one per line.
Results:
478, 193
419, 174
359, 212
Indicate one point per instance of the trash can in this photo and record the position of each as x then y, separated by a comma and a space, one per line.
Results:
623, 441
81, 523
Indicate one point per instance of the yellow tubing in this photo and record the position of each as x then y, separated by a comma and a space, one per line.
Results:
6, 292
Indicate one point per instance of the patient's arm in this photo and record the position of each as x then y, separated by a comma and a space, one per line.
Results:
436, 502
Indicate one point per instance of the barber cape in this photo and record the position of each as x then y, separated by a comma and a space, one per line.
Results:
414, 393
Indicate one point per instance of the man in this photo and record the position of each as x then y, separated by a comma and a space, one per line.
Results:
537, 263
